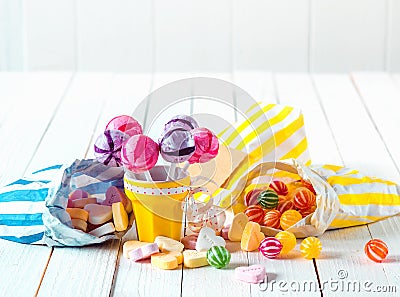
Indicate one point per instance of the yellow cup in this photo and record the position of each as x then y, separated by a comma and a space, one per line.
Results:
157, 204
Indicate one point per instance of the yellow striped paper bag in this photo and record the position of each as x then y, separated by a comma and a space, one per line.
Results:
362, 199
269, 132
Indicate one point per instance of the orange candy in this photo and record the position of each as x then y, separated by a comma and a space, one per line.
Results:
251, 237
303, 198
255, 213
285, 205
376, 250
289, 218
279, 187
272, 219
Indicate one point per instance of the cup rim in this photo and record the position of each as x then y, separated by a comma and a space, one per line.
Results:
156, 171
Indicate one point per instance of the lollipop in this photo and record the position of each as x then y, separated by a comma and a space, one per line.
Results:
107, 148
207, 145
181, 121
139, 154
176, 146
126, 124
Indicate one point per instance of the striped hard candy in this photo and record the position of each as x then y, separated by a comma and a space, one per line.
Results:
376, 250
288, 241
107, 148
279, 187
303, 198
268, 199
255, 213
310, 247
285, 205
289, 218
218, 256
270, 247
251, 197
308, 185
306, 212
272, 219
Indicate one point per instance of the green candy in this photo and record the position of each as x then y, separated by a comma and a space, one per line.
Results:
218, 256
268, 199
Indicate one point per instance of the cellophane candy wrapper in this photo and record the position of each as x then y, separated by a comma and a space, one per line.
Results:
32, 209
344, 196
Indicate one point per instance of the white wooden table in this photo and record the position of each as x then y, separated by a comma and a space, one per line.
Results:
51, 118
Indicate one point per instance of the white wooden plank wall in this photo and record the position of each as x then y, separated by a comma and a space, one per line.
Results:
200, 36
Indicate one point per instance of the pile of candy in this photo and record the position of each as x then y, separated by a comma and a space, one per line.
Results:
124, 144
99, 218
167, 253
281, 205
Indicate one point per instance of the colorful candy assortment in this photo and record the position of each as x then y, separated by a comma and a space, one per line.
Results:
376, 250
283, 204
99, 218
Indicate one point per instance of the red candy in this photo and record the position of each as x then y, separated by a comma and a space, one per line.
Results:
376, 250
285, 205
279, 187
270, 247
251, 197
309, 186
255, 213
272, 219
303, 198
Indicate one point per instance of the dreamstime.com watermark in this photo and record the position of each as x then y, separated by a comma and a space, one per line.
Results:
341, 284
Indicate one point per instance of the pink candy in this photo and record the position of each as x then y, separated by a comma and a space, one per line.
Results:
139, 153
207, 145
253, 274
143, 252
126, 124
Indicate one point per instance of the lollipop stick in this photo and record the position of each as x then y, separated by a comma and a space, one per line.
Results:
171, 173
147, 175
185, 168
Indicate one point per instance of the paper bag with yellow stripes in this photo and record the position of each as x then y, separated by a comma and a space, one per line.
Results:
267, 132
343, 197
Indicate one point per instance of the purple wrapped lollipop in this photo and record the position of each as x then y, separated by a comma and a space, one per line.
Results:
181, 121
176, 146
107, 148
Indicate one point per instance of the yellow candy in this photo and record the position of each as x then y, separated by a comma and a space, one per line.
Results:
310, 247
288, 241
193, 258
251, 237
238, 224
166, 244
289, 218
120, 216
167, 261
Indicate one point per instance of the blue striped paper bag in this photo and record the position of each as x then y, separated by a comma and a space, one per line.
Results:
32, 209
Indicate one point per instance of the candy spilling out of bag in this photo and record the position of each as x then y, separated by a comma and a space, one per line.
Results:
281, 205
99, 218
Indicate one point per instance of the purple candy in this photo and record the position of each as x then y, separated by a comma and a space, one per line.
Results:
177, 145
181, 121
107, 148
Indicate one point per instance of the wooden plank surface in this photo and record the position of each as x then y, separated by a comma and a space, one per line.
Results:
87, 93
18, 261
95, 97
351, 264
